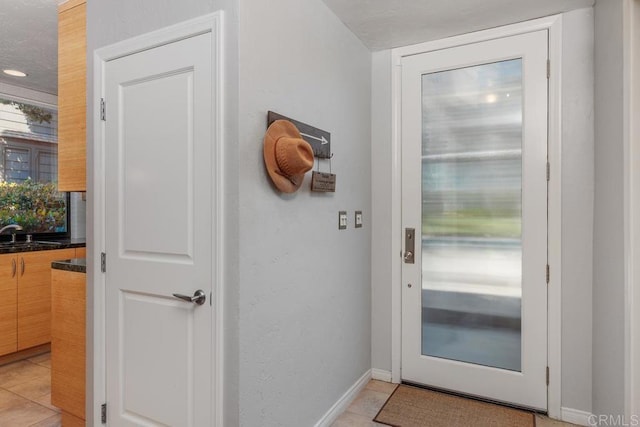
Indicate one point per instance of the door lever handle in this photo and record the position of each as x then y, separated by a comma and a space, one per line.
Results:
199, 297
409, 245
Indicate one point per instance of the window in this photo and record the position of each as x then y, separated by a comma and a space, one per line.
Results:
47, 166
17, 166
29, 170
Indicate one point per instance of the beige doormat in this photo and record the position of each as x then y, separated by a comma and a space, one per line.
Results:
416, 407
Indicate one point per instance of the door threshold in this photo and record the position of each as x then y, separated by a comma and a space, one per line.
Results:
474, 397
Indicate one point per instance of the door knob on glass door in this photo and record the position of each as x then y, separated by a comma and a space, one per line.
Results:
199, 297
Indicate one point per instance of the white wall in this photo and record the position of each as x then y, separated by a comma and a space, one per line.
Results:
78, 216
305, 323
298, 290
608, 249
634, 212
577, 206
111, 21
23, 94
381, 232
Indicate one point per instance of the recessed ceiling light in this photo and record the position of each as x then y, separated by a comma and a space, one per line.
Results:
15, 73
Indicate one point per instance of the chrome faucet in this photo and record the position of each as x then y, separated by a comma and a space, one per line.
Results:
14, 227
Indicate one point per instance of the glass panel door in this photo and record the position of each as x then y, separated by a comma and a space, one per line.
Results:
471, 214
474, 194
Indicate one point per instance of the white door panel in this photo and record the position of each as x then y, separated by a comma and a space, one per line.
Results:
474, 153
159, 147
156, 326
149, 169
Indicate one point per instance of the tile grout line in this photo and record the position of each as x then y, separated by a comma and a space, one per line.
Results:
55, 411
49, 374
45, 419
27, 399
388, 395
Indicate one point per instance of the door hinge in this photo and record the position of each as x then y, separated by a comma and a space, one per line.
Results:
548, 68
547, 274
103, 262
103, 413
103, 108
548, 171
547, 375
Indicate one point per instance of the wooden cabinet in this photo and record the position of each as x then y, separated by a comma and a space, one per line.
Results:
68, 308
8, 304
72, 81
25, 298
34, 295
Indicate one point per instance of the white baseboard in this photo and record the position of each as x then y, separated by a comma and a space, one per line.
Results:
576, 416
343, 403
381, 374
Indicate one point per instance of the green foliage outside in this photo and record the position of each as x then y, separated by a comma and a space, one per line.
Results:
473, 223
34, 114
37, 207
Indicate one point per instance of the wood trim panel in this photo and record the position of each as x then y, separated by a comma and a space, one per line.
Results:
72, 82
70, 420
34, 295
70, 4
81, 252
8, 305
68, 308
25, 354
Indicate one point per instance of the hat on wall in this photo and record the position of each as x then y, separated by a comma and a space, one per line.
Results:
286, 155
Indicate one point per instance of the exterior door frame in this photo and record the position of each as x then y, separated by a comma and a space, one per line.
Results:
96, 363
554, 26
631, 178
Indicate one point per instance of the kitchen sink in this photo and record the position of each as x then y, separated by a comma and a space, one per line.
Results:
21, 244
15, 243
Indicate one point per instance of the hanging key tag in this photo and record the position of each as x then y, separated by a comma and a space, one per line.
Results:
323, 182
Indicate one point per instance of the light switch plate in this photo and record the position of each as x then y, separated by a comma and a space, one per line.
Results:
342, 220
358, 219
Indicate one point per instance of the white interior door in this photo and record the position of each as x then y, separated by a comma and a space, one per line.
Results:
160, 217
474, 190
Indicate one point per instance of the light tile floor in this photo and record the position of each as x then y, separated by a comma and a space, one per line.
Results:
365, 407
25, 394
372, 398
25, 399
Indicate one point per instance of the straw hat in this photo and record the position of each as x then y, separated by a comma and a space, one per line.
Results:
286, 155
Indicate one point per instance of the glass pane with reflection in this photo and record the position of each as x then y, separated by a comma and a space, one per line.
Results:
471, 214
29, 195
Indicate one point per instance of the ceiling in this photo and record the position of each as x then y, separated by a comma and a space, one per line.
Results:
384, 24
29, 40
29, 43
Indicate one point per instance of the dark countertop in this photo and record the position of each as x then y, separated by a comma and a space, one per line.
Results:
21, 246
78, 265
